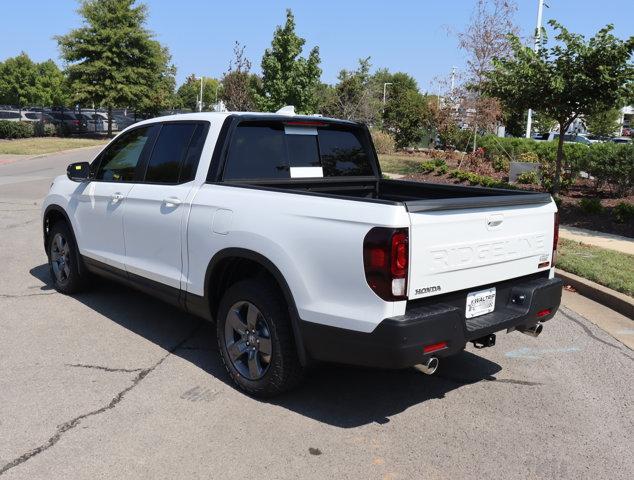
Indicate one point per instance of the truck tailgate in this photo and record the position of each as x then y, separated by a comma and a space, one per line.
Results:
459, 249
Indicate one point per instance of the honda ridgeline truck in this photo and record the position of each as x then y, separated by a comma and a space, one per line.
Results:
282, 230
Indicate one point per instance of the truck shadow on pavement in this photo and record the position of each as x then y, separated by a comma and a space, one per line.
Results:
341, 396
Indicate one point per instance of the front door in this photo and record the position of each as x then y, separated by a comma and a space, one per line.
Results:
98, 205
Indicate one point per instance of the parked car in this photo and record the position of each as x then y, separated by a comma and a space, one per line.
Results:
39, 117
621, 140
568, 138
98, 122
70, 122
13, 116
282, 230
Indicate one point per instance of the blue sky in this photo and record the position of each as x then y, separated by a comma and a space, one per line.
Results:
410, 36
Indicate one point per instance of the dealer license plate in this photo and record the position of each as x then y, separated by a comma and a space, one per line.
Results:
479, 303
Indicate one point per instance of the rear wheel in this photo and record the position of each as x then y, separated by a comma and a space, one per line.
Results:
63, 260
255, 339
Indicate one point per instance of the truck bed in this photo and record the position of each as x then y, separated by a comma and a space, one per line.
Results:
415, 196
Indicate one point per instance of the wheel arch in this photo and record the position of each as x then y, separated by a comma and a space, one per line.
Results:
52, 214
230, 265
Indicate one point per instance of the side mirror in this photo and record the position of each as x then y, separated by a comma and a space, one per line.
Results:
78, 172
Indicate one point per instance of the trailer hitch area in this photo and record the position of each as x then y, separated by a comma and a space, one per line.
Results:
483, 342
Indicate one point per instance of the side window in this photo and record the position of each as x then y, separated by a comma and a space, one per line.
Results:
257, 151
169, 152
196, 144
119, 160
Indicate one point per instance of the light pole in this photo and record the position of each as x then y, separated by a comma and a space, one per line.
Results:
538, 34
200, 104
385, 92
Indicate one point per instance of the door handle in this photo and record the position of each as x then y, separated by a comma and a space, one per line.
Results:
117, 197
172, 201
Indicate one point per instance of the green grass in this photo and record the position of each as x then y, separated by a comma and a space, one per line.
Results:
40, 145
401, 164
609, 268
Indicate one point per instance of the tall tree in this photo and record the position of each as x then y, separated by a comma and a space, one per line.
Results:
605, 123
189, 92
17, 81
51, 85
354, 97
572, 78
113, 59
237, 82
288, 78
406, 111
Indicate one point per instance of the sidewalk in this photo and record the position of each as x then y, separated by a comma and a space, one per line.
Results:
598, 239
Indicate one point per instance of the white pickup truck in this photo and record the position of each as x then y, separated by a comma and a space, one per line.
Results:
282, 230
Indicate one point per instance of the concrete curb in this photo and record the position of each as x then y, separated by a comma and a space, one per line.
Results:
617, 301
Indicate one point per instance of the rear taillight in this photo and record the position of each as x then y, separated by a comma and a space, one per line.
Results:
76, 123
555, 239
385, 260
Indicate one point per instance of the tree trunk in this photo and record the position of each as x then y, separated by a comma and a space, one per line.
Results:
109, 122
560, 157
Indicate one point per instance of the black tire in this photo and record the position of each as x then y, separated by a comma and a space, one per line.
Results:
283, 369
72, 281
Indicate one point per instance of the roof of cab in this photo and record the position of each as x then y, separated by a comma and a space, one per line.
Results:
220, 116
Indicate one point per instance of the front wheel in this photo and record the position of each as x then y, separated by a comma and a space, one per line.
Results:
63, 260
255, 339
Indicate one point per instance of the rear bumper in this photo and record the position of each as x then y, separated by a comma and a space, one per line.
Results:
398, 342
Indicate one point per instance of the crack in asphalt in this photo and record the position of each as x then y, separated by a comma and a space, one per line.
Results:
16, 225
589, 332
23, 295
469, 381
69, 425
105, 369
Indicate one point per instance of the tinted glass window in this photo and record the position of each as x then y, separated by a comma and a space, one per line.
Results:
342, 153
190, 164
257, 151
120, 159
168, 152
32, 116
303, 151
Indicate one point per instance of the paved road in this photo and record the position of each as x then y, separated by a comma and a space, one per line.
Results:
112, 384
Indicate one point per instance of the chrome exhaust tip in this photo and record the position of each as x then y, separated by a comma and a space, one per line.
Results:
430, 366
533, 330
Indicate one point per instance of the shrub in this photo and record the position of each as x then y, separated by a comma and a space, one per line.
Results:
44, 129
528, 178
16, 129
442, 170
456, 138
591, 205
612, 164
383, 142
439, 162
623, 212
427, 166
500, 163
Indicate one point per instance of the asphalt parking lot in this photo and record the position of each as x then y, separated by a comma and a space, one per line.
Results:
114, 384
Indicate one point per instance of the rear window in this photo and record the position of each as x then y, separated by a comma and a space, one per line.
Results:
273, 150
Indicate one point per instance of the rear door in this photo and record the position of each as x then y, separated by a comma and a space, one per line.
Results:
461, 249
155, 219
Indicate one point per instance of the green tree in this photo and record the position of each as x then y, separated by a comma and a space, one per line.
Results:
354, 96
288, 78
605, 123
238, 82
189, 92
17, 81
51, 85
406, 113
113, 59
572, 78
